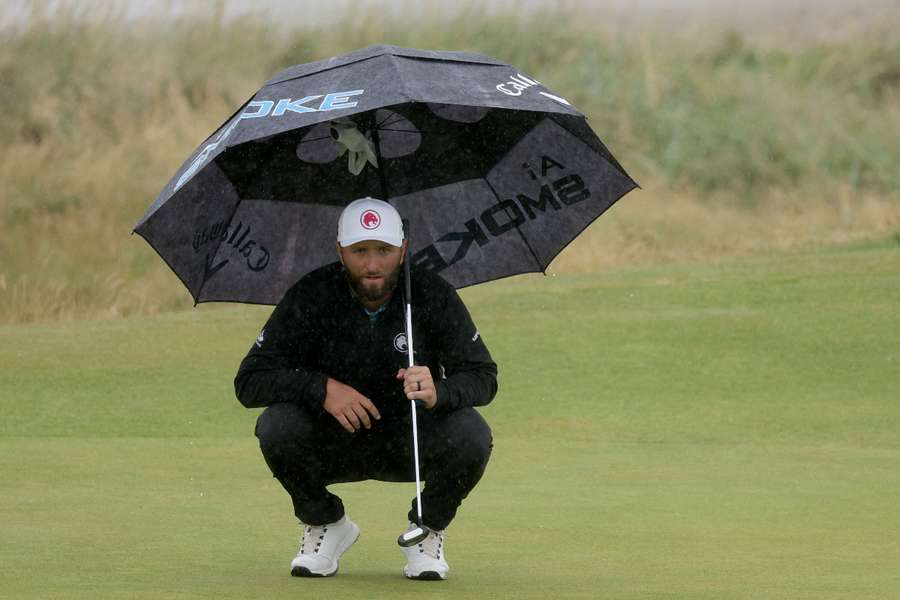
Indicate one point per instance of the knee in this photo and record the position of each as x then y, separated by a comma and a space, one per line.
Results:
280, 423
471, 437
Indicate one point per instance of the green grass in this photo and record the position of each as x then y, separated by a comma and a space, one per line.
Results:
692, 432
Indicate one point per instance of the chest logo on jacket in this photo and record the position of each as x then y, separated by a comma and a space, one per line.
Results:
400, 342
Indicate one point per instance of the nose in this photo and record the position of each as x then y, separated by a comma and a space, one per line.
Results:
371, 264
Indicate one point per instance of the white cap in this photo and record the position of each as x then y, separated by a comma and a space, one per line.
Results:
370, 219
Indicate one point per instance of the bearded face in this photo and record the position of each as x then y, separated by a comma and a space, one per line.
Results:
374, 287
373, 269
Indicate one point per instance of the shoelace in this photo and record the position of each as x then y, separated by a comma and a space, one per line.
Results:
433, 545
312, 539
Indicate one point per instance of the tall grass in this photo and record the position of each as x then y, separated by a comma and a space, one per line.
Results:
743, 142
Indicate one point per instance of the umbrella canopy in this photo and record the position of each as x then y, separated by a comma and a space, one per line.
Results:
495, 173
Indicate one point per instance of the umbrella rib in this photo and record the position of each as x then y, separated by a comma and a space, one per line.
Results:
387, 118
324, 137
521, 235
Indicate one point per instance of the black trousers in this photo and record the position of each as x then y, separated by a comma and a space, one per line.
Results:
306, 453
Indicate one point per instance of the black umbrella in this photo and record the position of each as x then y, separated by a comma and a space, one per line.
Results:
495, 173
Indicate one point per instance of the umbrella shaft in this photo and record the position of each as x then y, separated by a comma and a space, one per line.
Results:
409, 340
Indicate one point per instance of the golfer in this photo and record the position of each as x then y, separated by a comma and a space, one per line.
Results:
331, 368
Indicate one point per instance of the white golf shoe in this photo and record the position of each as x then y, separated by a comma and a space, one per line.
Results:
426, 560
321, 548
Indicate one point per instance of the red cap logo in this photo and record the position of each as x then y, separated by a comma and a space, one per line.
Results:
370, 219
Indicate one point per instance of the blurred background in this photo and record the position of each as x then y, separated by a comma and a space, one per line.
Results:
753, 127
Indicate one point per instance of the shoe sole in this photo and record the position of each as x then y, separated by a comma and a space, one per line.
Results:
305, 572
426, 576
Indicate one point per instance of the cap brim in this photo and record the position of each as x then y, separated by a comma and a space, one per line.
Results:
393, 241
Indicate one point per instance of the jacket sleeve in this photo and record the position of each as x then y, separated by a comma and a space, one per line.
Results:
276, 368
470, 374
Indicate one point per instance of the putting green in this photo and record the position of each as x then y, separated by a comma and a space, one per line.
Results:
724, 431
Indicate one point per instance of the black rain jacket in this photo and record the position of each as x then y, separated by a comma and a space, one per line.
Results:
320, 330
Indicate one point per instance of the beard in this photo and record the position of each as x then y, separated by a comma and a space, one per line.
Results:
374, 292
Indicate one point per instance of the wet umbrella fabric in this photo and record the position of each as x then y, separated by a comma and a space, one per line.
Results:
495, 173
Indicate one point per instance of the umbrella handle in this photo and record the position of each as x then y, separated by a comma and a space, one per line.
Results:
407, 297
409, 345
410, 356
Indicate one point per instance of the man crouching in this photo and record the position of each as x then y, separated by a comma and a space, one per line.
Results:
331, 367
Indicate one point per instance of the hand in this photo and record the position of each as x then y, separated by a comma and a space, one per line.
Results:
351, 409
418, 385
